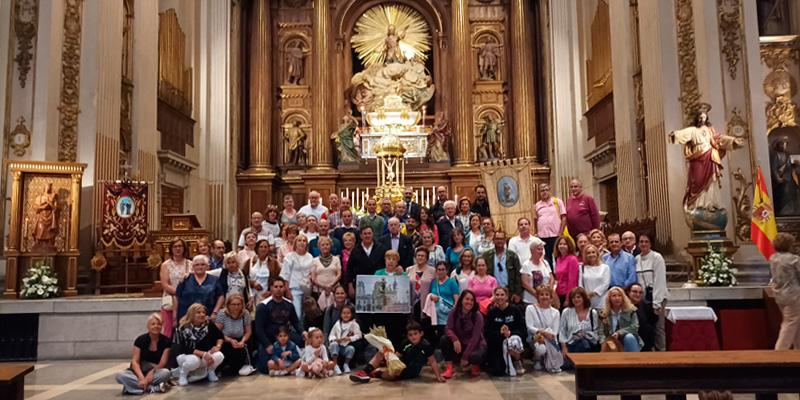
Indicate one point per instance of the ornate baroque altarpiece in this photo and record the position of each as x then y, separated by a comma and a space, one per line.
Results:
45, 206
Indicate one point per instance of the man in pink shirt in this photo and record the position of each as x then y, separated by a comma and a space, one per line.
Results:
582, 212
550, 219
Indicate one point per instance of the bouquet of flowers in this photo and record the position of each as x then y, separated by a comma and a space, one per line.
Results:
715, 269
39, 283
377, 338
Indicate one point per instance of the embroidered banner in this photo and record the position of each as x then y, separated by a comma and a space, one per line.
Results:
124, 215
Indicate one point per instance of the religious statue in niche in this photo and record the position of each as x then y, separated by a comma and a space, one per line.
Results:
438, 140
345, 138
489, 147
295, 138
704, 148
488, 57
295, 63
45, 207
785, 169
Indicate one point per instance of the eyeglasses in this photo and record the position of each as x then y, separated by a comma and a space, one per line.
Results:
500, 267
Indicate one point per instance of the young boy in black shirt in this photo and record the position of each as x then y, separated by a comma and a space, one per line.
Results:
414, 353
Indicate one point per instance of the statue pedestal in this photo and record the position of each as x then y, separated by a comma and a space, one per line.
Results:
698, 248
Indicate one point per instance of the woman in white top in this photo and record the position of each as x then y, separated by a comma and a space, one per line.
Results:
326, 272
465, 270
542, 321
474, 233
311, 232
249, 251
487, 242
172, 273
262, 268
651, 271
535, 272
296, 269
435, 252
594, 276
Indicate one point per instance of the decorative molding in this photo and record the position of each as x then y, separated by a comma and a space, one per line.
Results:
778, 52
730, 25
737, 126
176, 161
687, 60
20, 138
69, 107
603, 159
26, 17
743, 204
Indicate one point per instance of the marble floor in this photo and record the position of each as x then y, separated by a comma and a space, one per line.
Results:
94, 379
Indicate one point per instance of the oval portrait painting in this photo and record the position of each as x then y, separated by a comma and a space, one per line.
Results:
507, 191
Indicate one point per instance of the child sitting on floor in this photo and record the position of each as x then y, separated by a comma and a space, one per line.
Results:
414, 353
285, 356
315, 357
343, 334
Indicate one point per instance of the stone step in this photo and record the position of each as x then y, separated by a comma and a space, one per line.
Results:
748, 273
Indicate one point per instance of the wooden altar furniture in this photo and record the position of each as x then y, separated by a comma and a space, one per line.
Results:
44, 222
12, 380
179, 226
764, 372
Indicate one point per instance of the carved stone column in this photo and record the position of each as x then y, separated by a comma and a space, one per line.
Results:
464, 141
524, 103
321, 155
260, 101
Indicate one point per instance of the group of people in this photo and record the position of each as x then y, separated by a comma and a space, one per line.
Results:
282, 303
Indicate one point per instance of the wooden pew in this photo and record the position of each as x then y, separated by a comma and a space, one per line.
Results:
12, 380
763, 372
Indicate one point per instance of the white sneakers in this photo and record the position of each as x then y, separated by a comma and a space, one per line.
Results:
212, 376
337, 370
246, 370
346, 369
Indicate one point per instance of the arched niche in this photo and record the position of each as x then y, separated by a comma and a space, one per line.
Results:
291, 40
303, 117
785, 178
344, 19
488, 35
496, 113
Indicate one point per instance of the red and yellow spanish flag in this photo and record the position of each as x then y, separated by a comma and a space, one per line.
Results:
763, 228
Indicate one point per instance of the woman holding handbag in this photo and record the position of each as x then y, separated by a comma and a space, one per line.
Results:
577, 330
173, 271
542, 321
444, 293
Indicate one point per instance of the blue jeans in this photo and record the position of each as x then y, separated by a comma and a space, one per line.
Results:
630, 343
348, 351
297, 302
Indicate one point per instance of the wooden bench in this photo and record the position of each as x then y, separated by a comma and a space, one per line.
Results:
763, 372
12, 380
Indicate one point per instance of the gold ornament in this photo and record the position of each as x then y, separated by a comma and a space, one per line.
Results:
98, 262
378, 23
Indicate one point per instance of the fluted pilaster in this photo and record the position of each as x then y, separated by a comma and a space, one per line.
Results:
461, 52
260, 101
321, 155
522, 89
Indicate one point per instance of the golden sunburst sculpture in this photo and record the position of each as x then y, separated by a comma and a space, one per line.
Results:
380, 27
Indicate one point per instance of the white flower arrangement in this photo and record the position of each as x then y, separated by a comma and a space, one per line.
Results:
39, 283
715, 269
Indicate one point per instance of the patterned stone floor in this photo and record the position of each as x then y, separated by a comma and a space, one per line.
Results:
80, 380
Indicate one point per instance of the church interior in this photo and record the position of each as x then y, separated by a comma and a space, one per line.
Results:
129, 125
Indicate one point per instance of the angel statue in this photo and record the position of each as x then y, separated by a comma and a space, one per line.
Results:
488, 55
704, 149
438, 140
489, 147
295, 64
391, 45
295, 138
345, 139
